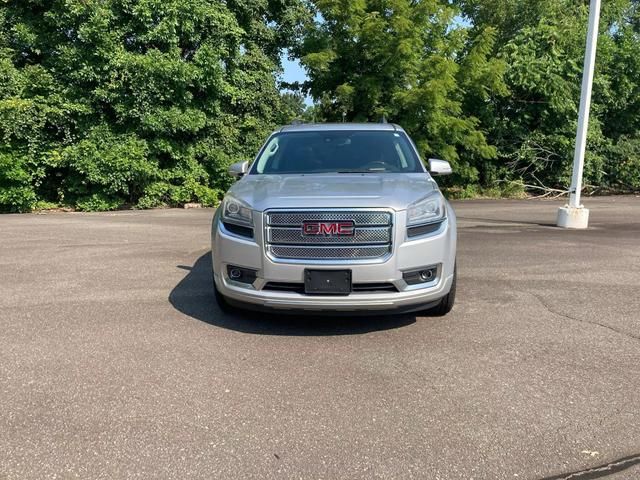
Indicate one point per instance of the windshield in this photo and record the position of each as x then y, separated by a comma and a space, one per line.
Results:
337, 152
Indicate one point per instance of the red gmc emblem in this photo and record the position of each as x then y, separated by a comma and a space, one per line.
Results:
329, 229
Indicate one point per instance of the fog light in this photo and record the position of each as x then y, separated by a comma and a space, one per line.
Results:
420, 276
241, 274
426, 275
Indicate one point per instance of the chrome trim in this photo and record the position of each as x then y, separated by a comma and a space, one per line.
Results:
417, 225
246, 286
403, 286
296, 219
320, 212
333, 252
368, 236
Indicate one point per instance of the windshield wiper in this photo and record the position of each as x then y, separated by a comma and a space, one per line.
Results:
364, 170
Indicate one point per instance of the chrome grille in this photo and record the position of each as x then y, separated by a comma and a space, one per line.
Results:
372, 237
364, 235
295, 219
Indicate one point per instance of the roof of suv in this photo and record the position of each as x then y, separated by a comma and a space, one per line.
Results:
318, 127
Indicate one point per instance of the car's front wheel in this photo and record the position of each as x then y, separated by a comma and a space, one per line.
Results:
221, 300
446, 304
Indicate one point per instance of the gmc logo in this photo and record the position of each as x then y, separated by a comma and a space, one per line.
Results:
338, 229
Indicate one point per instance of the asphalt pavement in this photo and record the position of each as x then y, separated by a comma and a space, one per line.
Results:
115, 361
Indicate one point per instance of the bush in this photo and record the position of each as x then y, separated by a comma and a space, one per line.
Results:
507, 189
17, 199
44, 205
623, 166
115, 166
98, 202
16, 191
155, 195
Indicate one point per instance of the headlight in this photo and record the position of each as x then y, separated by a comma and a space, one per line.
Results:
237, 212
430, 209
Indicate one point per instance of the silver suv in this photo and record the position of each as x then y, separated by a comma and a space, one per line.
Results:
336, 218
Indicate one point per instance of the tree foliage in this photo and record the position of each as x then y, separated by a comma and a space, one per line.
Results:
543, 43
491, 85
141, 102
406, 61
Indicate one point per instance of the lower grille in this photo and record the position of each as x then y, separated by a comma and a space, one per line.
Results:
357, 287
374, 287
286, 237
284, 287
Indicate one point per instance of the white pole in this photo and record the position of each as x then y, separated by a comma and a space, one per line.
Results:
575, 215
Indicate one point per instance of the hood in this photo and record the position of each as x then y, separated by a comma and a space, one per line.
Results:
388, 190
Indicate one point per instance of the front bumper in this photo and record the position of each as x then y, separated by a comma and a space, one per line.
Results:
437, 249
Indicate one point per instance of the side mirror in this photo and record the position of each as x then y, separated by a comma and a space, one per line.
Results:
239, 169
439, 167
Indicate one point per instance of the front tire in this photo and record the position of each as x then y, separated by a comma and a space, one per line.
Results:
446, 304
221, 300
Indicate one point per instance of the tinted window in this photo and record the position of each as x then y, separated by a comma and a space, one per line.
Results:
337, 151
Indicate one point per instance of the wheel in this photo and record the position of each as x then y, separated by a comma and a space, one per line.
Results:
446, 304
223, 305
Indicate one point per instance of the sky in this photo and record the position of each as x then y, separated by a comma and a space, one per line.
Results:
293, 71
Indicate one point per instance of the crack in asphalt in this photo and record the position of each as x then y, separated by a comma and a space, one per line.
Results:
581, 320
601, 471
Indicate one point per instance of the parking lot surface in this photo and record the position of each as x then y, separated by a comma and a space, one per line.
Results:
115, 361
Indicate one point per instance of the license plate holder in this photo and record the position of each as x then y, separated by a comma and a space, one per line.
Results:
327, 282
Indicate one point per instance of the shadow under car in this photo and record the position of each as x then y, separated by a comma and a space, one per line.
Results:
194, 297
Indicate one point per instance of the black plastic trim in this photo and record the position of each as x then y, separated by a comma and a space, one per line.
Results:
422, 230
238, 230
293, 287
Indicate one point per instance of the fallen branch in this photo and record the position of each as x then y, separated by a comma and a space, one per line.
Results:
548, 191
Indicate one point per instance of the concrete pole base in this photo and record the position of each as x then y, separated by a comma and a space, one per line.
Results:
571, 217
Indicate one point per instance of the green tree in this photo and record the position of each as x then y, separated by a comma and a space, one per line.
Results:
293, 107
491, 85
410, 62
542, 43
145, 102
